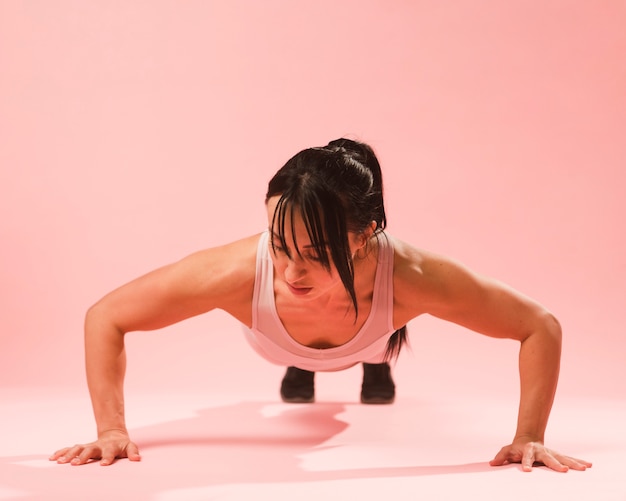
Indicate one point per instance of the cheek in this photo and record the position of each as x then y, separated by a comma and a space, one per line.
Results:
324, 276
280, 267
279, 264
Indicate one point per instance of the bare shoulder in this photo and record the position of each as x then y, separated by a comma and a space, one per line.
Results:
413, 263
426, 282
222, 272
233, 257
415, 268
422, 280
220, 277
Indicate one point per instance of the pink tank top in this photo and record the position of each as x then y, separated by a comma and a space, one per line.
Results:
271, 340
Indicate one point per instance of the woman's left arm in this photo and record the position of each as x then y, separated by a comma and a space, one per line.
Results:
448, 290
539, 359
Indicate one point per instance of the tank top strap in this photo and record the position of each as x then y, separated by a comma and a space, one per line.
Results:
381, 314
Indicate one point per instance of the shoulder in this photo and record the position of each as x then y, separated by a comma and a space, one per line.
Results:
220, 277
220, 270
207, 273
233, 255
425, 282
413, 263
423, 279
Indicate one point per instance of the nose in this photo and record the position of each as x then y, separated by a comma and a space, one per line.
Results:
295, 269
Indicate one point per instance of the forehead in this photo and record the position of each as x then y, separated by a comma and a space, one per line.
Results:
271, 206
287, 231
282, 221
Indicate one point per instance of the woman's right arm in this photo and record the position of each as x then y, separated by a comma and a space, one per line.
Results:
222, 277
105, 364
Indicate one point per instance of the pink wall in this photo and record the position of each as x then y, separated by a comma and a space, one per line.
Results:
133, 133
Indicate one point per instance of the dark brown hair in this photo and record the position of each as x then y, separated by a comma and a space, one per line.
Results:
336, 189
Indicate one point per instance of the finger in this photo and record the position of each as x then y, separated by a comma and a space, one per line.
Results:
499, 460
69, 454
573, 463
132, 451
109, 455
58, 454
552, 462
581, 462
86, 455
528, 457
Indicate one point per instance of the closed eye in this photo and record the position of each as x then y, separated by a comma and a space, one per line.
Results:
314, 258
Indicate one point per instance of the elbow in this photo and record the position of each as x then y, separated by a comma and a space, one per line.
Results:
545, 326
551, 328
94, 315
554, 326
99, 318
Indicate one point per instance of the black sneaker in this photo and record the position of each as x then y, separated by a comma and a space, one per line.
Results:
297, 386
378, 387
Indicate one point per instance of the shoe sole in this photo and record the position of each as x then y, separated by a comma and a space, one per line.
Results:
377, 401
298, 400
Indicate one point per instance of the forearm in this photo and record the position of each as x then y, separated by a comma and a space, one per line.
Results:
105, 359
539, 362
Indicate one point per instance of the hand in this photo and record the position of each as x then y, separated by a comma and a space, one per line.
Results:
110, 445
530, 453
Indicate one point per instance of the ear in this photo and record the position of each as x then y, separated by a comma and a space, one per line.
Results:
366, 234
369, 231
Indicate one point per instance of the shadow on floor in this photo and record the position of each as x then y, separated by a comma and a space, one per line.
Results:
234, 444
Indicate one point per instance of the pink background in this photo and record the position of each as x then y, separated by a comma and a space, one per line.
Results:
134, 133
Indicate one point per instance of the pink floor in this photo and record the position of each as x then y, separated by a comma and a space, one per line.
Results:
237, 441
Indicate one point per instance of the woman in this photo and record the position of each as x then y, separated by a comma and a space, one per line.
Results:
324, 288
378, 387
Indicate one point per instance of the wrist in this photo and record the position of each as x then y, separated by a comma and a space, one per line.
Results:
112, 431
528, 437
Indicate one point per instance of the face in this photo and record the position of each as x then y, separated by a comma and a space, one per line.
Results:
303, 274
